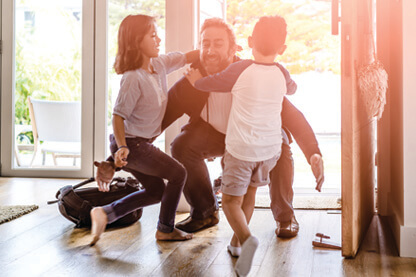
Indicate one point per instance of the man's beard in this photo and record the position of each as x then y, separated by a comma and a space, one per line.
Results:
215, 67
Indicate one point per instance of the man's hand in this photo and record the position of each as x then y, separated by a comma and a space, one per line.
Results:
105, 173
193, 75
317, 166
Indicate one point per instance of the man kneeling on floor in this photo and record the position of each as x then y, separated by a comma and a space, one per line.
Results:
203, 137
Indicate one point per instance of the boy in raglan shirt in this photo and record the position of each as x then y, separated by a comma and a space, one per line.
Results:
253, 138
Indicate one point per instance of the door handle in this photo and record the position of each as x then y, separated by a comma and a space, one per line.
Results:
335, 18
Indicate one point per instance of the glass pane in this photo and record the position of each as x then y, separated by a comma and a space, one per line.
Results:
211, 8
48, 75
117, 11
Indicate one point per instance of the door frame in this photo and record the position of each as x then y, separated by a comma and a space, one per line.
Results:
87, 98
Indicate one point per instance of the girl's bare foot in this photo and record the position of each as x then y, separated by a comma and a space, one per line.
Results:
176, 234
99, 221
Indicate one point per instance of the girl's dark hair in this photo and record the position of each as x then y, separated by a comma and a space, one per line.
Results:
130, 34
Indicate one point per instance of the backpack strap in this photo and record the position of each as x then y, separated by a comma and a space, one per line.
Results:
92, 179
69, 198
60, 191
62, 209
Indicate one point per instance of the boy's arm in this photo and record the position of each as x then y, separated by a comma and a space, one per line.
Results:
223, 81
291, 85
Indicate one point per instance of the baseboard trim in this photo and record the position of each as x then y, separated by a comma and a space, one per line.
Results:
407, 242
403, 235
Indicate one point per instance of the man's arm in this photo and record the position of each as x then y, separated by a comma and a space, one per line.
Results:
183, 98
192, 56
295, 122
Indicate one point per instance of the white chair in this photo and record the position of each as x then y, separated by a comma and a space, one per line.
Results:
57, 124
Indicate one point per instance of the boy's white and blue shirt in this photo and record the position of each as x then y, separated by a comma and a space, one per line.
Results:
254, 126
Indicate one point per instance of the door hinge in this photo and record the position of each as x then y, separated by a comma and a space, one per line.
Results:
1, 47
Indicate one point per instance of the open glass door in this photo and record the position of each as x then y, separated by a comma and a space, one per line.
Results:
47, 88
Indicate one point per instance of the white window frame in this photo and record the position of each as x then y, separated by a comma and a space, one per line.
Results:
7, 97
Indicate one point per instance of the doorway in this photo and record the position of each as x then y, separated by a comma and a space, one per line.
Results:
313, 58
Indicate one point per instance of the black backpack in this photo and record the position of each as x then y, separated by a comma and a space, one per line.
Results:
75, 203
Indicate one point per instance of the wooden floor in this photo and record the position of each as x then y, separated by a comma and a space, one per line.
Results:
43, 243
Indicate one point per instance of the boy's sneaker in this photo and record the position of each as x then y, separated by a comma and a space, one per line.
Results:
243, 264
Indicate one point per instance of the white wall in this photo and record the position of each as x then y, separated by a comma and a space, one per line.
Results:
408, 230
181, 35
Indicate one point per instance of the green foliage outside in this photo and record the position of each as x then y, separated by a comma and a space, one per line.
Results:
57, 75
119, 9
49, 80
310, 45
41, 71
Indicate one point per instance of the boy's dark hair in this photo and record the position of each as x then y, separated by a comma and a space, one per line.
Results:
269, 34
220, 23
131, 32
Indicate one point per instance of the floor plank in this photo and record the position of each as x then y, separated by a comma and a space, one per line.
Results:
43, 243
328, 262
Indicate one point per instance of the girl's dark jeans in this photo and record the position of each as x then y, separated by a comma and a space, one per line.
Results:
150, 166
